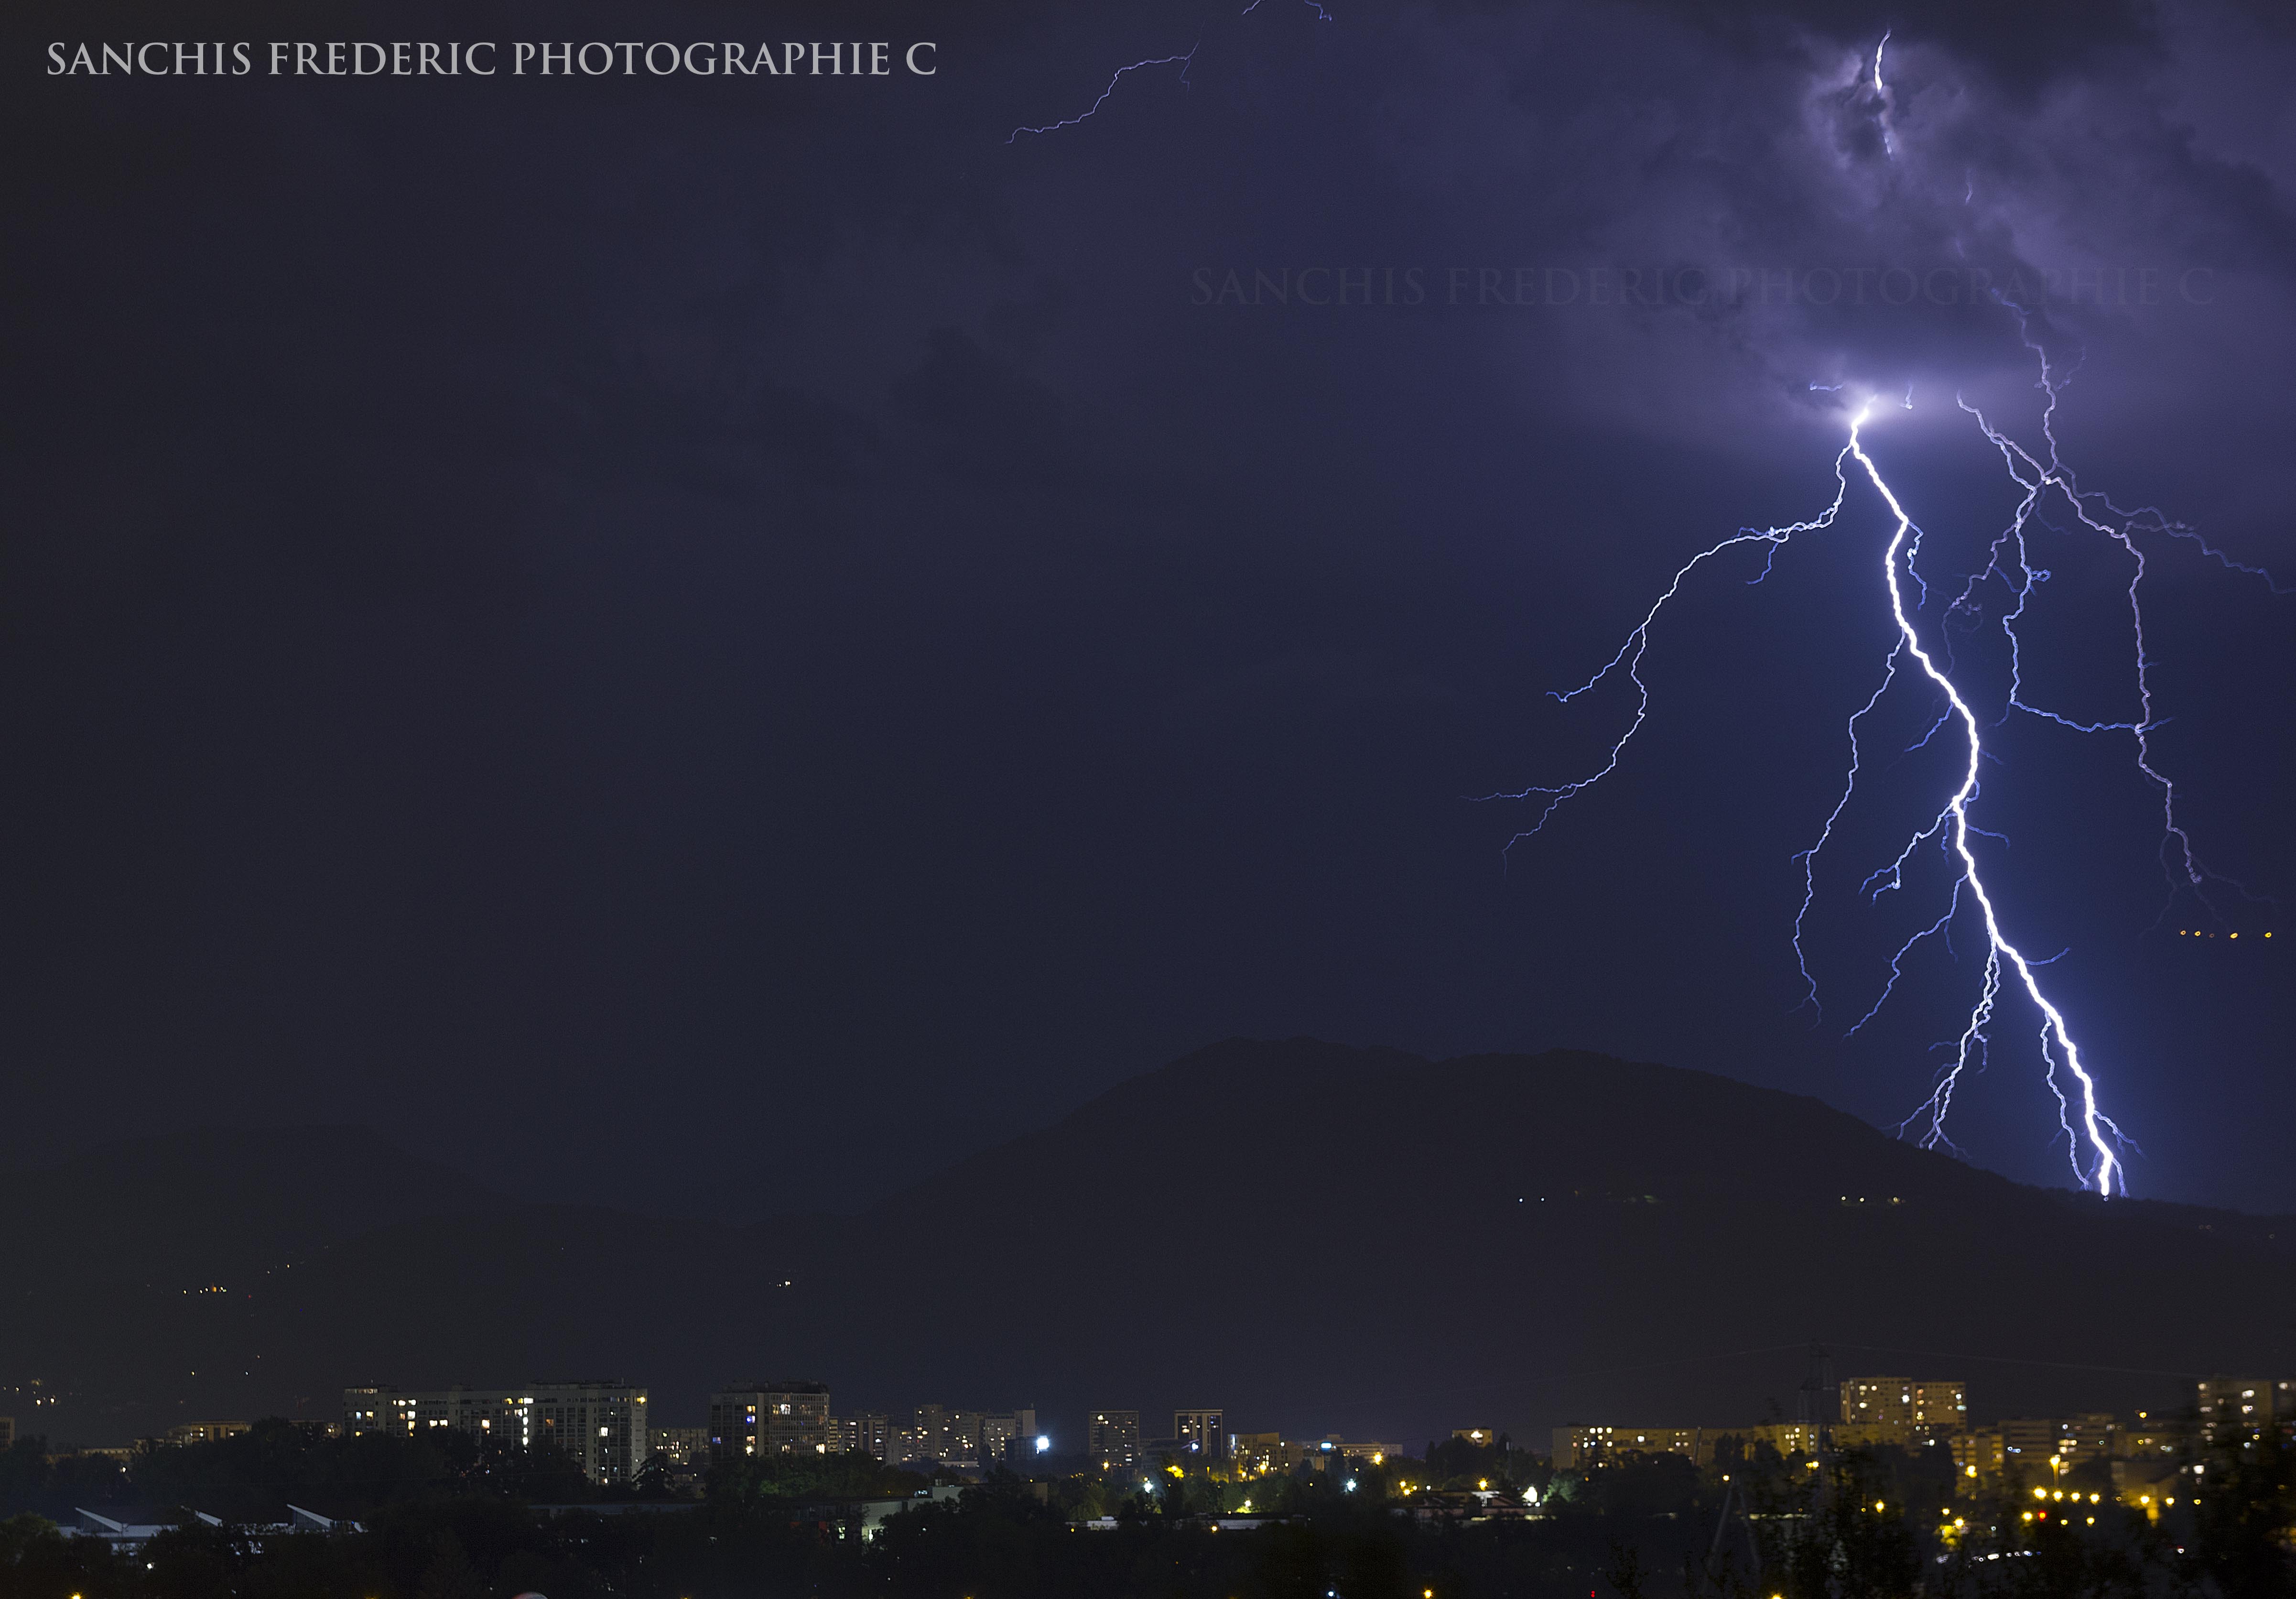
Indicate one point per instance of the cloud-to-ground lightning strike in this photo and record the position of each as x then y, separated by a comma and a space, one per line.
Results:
2094, 1149
1162, 61
2095, 1141
2057, 1042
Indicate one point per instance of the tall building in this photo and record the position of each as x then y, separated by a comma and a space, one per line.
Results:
2146, 1462
2028, 1439
1877, 1398
1937, 1402
1201, 1432
202, 1432
926, 1437
7, 1432
861, 1435
2150, 1439
2044, 1448
1978, 1459
1112, 1439
1256, 1454
2041, 1449
1482, 1438
1941, 1403
965, 1442
2095, 1435
600, 1424
1788, 1438
1583, 1446
769, 1420
1008, 1437
2247, 1402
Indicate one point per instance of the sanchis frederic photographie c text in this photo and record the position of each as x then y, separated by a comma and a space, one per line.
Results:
482, 58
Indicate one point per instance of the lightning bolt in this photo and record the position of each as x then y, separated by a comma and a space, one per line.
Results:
1885, 101
2057, 1044
1186, 61
2094, 1140
2035, 480
1637, 645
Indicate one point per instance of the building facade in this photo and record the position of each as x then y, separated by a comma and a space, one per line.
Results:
1111, 1437
1201, 1432
681, 1455
2037, 1446
202, 1432
768, 1420
601, 1425
1008, 1437
1938, 1404
686, 1447
926, 1435
1583, 1446
966, 1443
871, 1435
2092, 1436
1258, 1454
2247, 1402
1978, 1460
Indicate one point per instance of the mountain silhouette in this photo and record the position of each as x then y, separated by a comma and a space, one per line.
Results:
1319, 1238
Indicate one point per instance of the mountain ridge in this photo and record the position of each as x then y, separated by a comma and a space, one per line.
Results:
1315, 1230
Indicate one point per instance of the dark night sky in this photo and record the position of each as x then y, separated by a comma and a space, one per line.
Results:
642, 634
